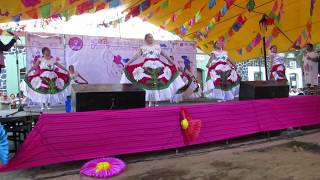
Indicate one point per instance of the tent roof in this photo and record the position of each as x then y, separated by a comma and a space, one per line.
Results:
197, 16
194, 20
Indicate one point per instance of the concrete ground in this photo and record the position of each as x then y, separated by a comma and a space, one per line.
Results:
279, 157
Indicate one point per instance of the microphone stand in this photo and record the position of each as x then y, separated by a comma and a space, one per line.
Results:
20, 107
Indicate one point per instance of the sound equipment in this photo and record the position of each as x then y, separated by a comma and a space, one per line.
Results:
90, 97
263, 89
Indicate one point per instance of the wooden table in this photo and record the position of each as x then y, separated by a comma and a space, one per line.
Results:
18, 125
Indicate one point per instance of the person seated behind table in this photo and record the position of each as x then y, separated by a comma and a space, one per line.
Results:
14, 101
5, 101
23, 98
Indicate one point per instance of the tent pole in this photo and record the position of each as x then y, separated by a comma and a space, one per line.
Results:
265, 56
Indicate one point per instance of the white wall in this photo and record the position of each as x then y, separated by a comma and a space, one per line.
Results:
298, 71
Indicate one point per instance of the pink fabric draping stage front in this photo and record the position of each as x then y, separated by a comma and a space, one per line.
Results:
66, 137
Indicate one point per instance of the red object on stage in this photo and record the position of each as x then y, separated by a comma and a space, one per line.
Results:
59, 138
190, 127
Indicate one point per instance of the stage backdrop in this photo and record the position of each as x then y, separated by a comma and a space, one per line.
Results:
34, 45
100, 60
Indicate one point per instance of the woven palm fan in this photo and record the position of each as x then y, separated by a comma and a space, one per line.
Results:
103, 167
191, 127
4, 146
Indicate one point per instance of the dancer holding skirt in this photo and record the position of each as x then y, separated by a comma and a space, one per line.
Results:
278, 69
223, 81
160, 80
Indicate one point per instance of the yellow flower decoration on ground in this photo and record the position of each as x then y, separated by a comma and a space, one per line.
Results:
103, 166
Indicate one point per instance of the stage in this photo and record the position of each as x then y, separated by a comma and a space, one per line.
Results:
65, 137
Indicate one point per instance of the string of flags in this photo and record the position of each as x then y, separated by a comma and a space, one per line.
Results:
54, 9
113, 23
203, 33
305, 35
138, 9
306, 32
273, 18
236, 26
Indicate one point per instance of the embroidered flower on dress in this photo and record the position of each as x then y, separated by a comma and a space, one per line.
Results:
185, 79
223, 67
59, 83
280, 68
166, 73
233, 76
49, 74
213, 75
153, 64
138, 73
36, 82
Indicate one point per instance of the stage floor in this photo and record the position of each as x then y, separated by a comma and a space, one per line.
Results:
61, 108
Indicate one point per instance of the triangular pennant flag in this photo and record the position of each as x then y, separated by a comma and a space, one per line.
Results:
210, 25
239, 51
230, 32
33, 13
187, 5
151, 14
251, 5
312, 7
114, 3
224, 10
305, 33
275, 7
212, 3
45, 10
183, 30
127, 17
230, 3
101, 6
145, 5
16, 18
179, 12
226, 37
167, 21
165, 4
174, 17
191, 21
135, 11
84, 7
198, 16
297, 43
275, 32
217, 17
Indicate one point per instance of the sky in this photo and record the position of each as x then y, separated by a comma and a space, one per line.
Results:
88, 24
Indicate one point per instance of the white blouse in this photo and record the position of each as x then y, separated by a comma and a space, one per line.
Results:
153, 51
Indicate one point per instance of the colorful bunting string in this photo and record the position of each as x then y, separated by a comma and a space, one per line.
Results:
212, 3
236, 26
304, 35
57, 9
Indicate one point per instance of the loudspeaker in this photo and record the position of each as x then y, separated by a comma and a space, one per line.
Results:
263, 89
90, 97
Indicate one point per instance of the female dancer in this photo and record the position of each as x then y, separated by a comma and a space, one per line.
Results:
190, 90
75, 76
46, 84
277, 70
160, 80
310, 66
222, 79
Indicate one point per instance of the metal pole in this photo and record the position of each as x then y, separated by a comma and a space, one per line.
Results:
265, 56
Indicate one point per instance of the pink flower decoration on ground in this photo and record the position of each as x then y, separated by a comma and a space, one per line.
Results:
103, 167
